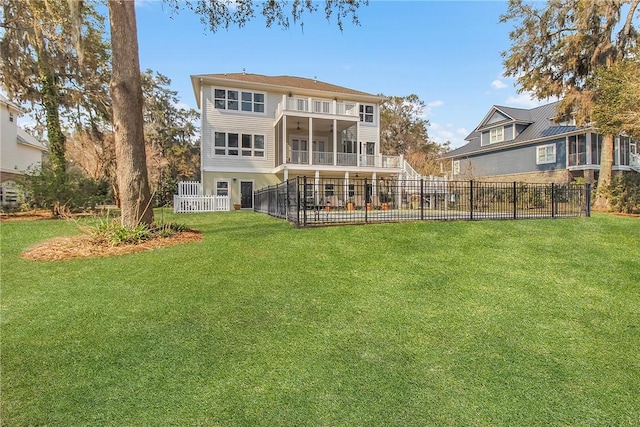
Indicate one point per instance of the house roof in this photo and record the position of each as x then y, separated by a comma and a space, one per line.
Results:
24, 138
5, 101
540, 127
298, 85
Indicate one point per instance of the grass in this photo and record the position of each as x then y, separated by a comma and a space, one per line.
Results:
491, 323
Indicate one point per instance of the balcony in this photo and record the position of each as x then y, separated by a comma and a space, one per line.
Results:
327, 158
317, 106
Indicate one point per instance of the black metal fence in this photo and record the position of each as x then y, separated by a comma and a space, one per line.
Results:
309, 202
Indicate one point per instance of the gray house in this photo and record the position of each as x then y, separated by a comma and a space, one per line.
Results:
514, 144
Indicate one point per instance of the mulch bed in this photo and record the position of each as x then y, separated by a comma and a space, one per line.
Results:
85, 246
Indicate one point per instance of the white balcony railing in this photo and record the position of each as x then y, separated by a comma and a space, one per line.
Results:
319, 106
327, 158
322, 158
347, 159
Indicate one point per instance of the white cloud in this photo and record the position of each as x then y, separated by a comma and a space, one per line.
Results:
443, 133
527, 100
430, 106
498, 84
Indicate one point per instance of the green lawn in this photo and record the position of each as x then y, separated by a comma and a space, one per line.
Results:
496, 323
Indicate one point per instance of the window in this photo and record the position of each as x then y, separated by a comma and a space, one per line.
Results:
497, 135
366, 113
370, 148
222, 188
347, 146
10, 116
328, 190
233, 144
577, 150
546, 154
456, 167
249, 102
321, 106
596, 146
623, 149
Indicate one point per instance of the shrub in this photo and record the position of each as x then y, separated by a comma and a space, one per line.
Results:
625, 193
42, 188
114, 233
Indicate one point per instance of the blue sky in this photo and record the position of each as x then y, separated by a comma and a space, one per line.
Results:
446, 52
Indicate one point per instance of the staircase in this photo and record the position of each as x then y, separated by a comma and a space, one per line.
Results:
432, 184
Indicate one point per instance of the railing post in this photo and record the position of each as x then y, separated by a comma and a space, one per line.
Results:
471, 200
422, 199
553, 200
304, 200
515, 200
367, 201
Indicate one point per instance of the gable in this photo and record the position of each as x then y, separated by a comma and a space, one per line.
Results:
496, 117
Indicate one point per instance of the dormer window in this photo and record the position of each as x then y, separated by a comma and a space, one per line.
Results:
496, 135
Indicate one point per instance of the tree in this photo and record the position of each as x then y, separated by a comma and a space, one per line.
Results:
617, 105
126, 98
403, 130
47, 60
557, 49
171, 135
126, 82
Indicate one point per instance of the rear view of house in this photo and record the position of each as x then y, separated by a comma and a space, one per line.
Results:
262, 130
513, 144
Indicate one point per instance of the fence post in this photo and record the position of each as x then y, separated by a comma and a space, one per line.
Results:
367, 201
553, 200
471, 199
422, 199
297, 184
304, 200
588, 199
515, 200
287, 200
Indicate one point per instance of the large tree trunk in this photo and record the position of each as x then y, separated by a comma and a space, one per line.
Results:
603, 196
56, 137
126, 94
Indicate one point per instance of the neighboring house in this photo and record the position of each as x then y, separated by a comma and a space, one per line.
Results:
513, 144
261, 130
18, 151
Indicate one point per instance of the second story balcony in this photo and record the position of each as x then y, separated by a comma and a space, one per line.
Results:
317, 106
327, 158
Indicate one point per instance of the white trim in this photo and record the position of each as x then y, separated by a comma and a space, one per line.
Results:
221, 180
547, 158
239, 101
498, 137
455, 167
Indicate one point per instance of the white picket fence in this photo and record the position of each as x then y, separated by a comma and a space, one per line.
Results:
191, 199
185, 204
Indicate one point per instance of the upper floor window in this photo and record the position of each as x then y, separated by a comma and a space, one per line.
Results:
10, 116
366, 113
546, 154
496, 135
251, 102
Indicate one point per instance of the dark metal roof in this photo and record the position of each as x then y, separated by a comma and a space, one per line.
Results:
540, 127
